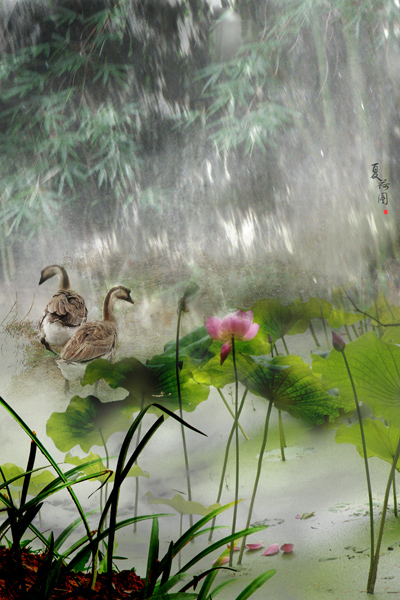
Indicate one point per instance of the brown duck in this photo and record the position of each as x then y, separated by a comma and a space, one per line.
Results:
65, 312
96, 339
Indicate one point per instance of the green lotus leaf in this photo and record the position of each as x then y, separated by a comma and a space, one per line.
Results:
292, 387
195, 344
182, 506
88, 422
314, 308
98, 466
192, 392
219, 376
387, 313
381, 441
278, 320
375, 368
128, 373
339, 317
37, 482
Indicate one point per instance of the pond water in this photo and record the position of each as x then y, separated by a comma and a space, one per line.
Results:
320, 479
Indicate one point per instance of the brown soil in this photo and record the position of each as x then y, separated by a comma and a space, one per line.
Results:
73, 586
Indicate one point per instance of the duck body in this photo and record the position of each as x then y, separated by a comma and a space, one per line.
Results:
95, 339
65, 312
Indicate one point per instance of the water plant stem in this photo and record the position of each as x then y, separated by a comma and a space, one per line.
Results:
236, 449
228, 444
355, 331
253, 497
394, 495
180, 409
371, 514
348, 333
285, 346
231, 412
323, 324
312, 331
374, 569
281, 436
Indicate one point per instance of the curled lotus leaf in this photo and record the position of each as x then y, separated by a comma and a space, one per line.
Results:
182, 506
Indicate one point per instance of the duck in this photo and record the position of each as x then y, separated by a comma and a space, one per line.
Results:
65, 312
94, 339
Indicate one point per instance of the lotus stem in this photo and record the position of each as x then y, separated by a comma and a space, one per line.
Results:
236, 449
371, 508
348, 333
253, 497
355, 331
228, 443
374, 569
285, 346
324, 324
312, 331
230, 410
180, 409
394, 495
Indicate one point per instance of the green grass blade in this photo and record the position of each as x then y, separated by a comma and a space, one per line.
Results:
255, 584
152, 559
216, 545
189, 534
47, 455
68, 530
159, 590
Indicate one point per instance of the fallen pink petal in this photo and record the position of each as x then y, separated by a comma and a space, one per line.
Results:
287, 548
271, 550
255, 546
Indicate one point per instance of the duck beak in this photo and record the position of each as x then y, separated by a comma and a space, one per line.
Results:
129, 299
41, 280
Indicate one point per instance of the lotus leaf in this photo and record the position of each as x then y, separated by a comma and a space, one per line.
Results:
37, 482
135, 471
381, 441
291, 385
83, 421
375, 368
339, 317
182, 506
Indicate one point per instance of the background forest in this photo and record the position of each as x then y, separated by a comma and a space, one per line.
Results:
199, 130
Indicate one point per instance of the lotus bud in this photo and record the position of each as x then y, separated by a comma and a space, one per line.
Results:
338, 342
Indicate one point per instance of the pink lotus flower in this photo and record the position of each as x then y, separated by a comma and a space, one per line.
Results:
271, 550
238, 326
287, 548
255, 546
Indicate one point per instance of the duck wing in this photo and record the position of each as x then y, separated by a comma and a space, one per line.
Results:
66, 307
91, 340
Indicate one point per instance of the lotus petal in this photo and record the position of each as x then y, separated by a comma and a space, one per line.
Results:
271, 550
255, 546
287, 548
